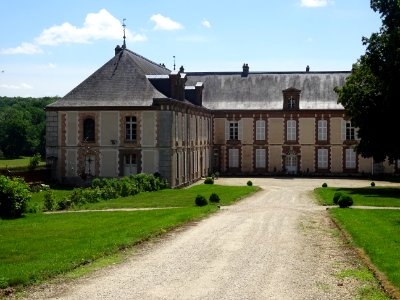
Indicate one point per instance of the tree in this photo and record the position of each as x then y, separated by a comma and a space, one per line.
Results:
370, 94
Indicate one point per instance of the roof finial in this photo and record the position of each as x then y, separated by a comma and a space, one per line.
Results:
174, 62
123, 25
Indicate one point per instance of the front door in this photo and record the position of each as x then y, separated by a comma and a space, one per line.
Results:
130, 164
291, 164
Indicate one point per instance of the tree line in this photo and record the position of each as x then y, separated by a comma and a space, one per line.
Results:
23, 126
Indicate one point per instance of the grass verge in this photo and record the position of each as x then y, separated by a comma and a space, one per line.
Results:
18, 163
366, 196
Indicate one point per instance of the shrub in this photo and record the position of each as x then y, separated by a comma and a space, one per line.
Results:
201, 200
214, 198
209, 180
324, 185
14, 196
249, 183
50, 202
372, 184
336, 197
345, 201
34, 161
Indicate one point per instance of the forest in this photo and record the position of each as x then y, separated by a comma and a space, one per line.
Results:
23, 126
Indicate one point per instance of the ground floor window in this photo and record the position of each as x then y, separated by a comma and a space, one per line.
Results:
322, 158
130, 164
291, 164
233, 158
260, 158
350, 159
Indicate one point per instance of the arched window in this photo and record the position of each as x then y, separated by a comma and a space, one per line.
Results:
88, 130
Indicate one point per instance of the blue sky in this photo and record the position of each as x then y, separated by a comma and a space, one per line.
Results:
49, 47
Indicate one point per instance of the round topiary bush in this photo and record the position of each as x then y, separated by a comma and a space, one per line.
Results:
372, 183
209, 180
336, 197
345, 201
201, 200
249, 183
214, 198
324, 185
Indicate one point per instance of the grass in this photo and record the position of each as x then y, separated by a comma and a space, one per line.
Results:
18, 163
366, 196
377, 233
40, 246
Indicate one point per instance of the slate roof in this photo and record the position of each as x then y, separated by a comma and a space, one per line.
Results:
120, 82
263, 90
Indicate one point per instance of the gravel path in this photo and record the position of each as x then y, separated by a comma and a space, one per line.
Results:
276, 244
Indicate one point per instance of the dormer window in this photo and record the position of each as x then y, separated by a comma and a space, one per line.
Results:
291, 98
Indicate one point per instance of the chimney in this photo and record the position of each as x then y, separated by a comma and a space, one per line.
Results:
118, 49
245, 72
308, 68
199, 93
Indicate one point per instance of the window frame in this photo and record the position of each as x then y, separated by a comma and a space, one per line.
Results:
350, 158
233, 158
322, 130
260, 130
89, 130
291, 130
131, 132
323, 158
261, 160
234, 130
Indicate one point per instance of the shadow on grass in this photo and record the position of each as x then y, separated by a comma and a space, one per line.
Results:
373, 192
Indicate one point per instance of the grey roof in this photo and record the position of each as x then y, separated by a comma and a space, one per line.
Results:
263, 90
120, 82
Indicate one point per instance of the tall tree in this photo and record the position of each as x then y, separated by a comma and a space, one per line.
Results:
370, 95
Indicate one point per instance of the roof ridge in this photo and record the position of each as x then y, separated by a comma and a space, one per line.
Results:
148, 60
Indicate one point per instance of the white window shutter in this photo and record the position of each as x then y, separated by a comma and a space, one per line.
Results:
343, 130
226, 130
240, 133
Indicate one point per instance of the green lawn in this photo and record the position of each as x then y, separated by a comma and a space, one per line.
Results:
366, 196
39, 246
17, 163
378, 233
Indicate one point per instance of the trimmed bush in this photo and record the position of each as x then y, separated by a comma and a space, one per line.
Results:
372, 184
14, 196
214, 198
345, 201
34, 161
209, 180
336, 197
201, 200
249, 183
324, 185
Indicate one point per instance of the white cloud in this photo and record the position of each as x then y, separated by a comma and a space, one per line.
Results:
165, 23
315, 3
101, 25
24, 48
206, 24
21, 86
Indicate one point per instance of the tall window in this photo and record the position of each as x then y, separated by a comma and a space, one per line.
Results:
233, 130
350, 131
350, 159
260, 158
322, 158
130, 128
89, 130
322, 130
260, 130
233, 158
291, 130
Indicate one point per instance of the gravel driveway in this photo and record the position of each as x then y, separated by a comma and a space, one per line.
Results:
276, 244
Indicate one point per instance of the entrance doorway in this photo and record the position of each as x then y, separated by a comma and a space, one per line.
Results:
130, 164
291, 164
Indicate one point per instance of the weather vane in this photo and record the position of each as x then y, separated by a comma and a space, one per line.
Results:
123, 25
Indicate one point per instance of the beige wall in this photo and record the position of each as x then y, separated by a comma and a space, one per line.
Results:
364, 164
72, 129
307, 131
247, 131
276, 131
109, 127
336, 130
275, 158
109, 163
307, 159
219, 130
336, 159
150, 161
71, 168
247, 159
148, 128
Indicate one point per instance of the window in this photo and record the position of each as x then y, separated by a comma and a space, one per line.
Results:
291, 103
88, 130
260, 158
322, 158
291, 130
350, 159
322, 130
350, 131
233, 158
233, 130
130, 164
260, 130
130, 128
